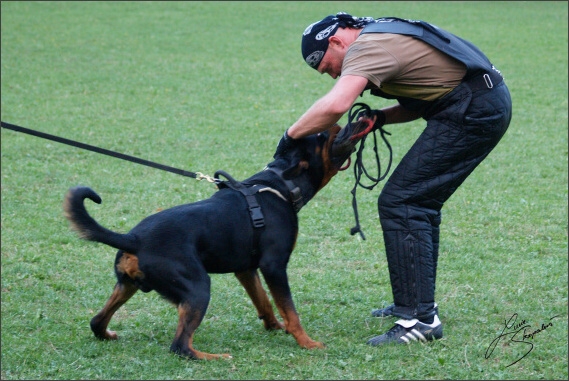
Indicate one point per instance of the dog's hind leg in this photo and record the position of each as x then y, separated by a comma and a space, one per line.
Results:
252, 284
121, 293
191, 310
189, 320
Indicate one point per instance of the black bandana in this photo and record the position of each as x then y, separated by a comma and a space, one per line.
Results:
315, 36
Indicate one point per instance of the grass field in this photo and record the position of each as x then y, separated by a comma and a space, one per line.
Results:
212, 85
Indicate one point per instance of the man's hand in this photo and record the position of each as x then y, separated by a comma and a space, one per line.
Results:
285, 144
379, 117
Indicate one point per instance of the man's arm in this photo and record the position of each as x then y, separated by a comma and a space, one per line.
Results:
329, 109
398, 114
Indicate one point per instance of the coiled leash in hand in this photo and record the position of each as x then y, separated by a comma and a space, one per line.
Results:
357, 111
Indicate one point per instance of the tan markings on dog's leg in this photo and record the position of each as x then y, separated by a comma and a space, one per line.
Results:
188, 322
121, 293
128, 264
252, 284
292, 323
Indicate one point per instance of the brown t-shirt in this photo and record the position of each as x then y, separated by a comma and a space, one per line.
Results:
403, 66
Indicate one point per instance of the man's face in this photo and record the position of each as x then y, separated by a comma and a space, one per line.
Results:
331, 63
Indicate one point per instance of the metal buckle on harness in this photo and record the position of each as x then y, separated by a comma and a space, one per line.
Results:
488, 81
255, 211
296, 197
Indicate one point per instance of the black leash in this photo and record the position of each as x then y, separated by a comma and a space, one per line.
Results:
197, 175
357, 111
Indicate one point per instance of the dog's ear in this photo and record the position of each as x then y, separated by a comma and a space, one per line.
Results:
333, 131
328, 154
295, 169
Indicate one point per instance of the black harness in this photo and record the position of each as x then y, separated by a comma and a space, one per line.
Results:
257, 218
255, 211
293, 190
249, 192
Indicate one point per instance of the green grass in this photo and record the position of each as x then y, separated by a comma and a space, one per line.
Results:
212, 85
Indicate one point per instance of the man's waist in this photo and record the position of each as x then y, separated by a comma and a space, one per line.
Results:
483, 81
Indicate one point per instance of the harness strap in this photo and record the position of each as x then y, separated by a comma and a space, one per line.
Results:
255, 211
257, 218
294, 191
274, 191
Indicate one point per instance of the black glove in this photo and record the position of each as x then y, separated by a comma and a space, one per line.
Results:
380, 119
285, 144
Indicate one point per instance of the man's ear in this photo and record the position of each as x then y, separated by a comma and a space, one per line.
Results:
335, 42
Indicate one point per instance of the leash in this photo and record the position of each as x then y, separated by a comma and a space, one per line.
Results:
356, 112
196, 175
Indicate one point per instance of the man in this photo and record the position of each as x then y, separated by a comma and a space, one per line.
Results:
433, 75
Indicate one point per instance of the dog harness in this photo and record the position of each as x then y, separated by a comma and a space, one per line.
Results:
249, 192
255, 211
294, 191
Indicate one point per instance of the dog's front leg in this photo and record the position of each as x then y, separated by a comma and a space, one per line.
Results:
278, 285
252, 284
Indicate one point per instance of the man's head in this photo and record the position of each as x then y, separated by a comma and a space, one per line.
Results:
315, 39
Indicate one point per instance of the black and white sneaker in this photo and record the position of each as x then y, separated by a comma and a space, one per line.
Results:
407, 331
388, 311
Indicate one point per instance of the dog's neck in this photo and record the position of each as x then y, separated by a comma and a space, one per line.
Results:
294, 194
297, 191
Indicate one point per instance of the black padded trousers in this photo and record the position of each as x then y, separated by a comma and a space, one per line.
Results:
456, 139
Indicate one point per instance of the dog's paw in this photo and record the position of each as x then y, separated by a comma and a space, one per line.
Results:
106, 335
111, 335
213, 356
271, 323
313, 345
275, 325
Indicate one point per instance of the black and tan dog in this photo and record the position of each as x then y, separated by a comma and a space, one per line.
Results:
242, 228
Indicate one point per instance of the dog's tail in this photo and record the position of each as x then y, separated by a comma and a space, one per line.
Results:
87, 227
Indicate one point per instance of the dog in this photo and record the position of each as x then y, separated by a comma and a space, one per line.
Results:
242, 228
